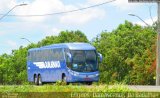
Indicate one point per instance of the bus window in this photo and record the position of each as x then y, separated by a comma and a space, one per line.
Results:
32, 56
84, 61
29, 57
58, 55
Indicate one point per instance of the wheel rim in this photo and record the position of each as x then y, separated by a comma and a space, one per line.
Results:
64, 79
35, 80
39, 80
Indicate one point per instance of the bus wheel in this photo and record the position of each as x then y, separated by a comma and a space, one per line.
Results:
64, 79
39, 80
89, 83
35, 80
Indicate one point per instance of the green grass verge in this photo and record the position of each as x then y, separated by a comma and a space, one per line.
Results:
65, 88
72, 91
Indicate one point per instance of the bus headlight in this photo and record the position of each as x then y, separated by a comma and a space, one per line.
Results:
97, 74
75, 74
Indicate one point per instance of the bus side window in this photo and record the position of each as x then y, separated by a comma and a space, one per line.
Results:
38, 55
54, 55
66, 51
42, 55
45, 55
34, 56
50, 55
66, 56
58, 54
68, 62
31, 56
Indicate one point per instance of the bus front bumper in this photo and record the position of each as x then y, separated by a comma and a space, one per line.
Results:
83, 78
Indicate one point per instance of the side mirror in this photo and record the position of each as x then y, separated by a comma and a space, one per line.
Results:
69, 57
100, 57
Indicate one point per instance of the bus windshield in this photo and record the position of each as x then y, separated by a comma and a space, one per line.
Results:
84, 61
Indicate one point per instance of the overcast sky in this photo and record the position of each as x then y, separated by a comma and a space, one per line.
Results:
91, 21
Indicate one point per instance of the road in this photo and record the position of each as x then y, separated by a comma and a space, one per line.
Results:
145, 88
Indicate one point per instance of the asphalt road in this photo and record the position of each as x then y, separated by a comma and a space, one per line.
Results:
145, 88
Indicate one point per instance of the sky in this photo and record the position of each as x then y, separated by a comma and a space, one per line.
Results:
90, 21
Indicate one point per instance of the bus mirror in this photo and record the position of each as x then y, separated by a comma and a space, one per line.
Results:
100, 57
69, 57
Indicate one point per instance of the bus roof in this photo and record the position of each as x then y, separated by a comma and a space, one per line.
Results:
71, 46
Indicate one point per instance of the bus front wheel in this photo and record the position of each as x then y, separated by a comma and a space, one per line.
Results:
64, 79
89, 83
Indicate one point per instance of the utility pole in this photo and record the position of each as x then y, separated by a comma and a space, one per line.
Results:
27, 40
158, 36
11, 10
139, 18
158, 47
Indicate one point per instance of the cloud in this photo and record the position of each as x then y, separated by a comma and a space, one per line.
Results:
21, 27
53, 31
124, 5
82, 17
6, 5
39, 7
97, 1
2, 33
12, 44
56, 31
148, 21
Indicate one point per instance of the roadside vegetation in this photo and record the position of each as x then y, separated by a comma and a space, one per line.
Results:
66, 88
129, 54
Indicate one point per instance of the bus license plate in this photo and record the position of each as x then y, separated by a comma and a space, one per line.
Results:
87, 78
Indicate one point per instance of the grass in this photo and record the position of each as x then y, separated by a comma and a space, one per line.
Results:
71, 91
65, 88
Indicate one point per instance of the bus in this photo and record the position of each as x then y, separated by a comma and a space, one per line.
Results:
68, 62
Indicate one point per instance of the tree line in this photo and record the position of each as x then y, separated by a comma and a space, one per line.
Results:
129, 55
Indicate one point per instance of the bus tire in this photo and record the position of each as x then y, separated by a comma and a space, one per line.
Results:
39, 80
89, 83
64, 79
35, 80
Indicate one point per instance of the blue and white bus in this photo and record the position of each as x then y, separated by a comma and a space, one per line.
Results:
69, 62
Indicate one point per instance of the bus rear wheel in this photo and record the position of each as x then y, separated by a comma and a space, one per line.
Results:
39, 80
35, 80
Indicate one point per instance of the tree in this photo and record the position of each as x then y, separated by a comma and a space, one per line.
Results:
64, 37
128, 54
